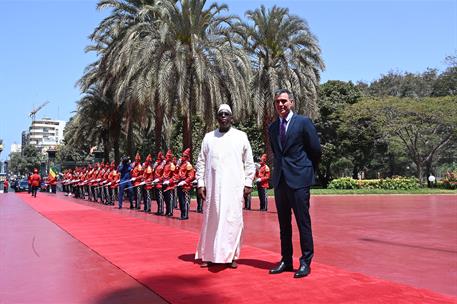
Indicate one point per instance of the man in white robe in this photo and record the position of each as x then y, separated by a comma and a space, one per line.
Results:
225, 171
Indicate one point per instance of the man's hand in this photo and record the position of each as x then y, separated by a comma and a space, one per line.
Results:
247, 191
202, 192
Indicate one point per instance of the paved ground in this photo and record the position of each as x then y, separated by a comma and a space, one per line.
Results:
400, 238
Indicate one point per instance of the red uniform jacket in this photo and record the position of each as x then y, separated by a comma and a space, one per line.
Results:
148, 176
35, 180
185, 172
137, 172
264, 174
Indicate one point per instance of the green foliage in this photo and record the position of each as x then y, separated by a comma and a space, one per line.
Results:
399, 84
198, 132
343, 183
396, 183
254, 135
334, 97
24, 163
423, 128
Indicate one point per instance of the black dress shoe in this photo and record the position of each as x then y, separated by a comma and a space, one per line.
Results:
302, 271
283, 266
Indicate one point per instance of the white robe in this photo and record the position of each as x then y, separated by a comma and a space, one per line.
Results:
225, 166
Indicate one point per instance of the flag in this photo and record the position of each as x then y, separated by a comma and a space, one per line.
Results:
52, 172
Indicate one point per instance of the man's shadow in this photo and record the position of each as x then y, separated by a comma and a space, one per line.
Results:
260, 264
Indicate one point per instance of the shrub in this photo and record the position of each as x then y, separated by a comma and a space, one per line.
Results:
395, 183
450, 180
343, 183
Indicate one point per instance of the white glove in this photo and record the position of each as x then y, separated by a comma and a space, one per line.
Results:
155, 181
99, 179
108, 184
142, 183
166, 182
133, 179
258, 180
182, 183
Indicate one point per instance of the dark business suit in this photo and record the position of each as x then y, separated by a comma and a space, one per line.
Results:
293, 174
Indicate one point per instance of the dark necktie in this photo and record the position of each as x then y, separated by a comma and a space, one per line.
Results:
282, 132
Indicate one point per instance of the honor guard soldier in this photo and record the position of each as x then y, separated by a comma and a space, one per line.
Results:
52, 182
137, 178
262, 181
157, 182
69, 178
167, 181
82, 178
105, 191
76, 180
183, 177
113, 180
88, 178
93, 178
174, 197
6, 185
35, 179
148, 176
199, 199
99, 182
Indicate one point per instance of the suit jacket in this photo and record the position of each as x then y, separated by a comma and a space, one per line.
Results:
300, 156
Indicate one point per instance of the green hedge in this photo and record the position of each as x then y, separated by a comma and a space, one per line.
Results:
396, 183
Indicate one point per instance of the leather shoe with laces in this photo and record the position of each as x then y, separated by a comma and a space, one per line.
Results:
283, 266
302, 271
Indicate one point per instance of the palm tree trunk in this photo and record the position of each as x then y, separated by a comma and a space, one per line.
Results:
187, 127
158, 124
106, 145
130, 139
187, 131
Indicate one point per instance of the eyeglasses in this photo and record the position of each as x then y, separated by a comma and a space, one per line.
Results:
223, 113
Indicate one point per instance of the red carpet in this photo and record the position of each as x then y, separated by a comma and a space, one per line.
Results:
161, 258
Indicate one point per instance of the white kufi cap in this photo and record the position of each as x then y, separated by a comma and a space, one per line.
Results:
224, 108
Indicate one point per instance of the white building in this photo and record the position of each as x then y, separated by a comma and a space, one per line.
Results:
46, 133
15, 148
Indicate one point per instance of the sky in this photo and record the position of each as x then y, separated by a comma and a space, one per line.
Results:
42, 49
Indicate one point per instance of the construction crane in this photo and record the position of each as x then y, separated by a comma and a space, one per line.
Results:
34, 111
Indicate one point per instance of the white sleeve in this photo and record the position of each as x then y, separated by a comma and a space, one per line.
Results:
201, 164
248, 160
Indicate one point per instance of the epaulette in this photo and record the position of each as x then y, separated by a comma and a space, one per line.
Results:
189, 166
267, 169
172, 167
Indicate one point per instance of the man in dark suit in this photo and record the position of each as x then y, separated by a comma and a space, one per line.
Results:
297, 152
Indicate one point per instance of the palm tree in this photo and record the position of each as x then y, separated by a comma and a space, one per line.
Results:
197, 65
98, 121
167, 57
118, 69
284, 54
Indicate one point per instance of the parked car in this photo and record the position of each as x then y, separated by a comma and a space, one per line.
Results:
22, 185
44, 185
